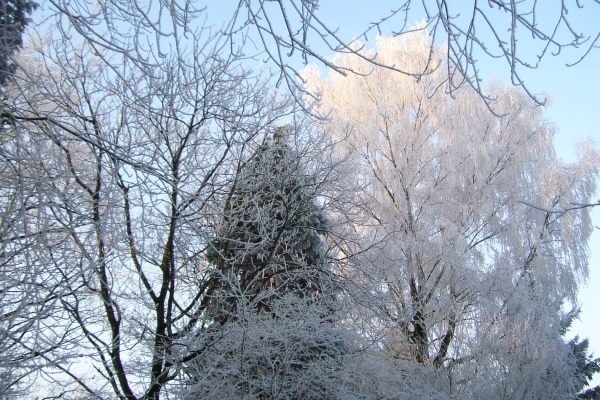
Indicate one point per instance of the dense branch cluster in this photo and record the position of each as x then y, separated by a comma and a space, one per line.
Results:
472, 31
174, 225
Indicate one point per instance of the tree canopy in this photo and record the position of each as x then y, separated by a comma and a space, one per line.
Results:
461, 262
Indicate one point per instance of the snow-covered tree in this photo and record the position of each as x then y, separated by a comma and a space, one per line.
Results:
23, 307
25, 304
269, 243
468, 255
273, 291
14, 17
153, 244
119, 170
584, 365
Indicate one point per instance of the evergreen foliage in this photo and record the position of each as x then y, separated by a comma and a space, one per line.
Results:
273, 299
269, 242
13, 20
585, 366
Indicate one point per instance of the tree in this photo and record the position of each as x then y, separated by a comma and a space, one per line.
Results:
273, 293
464, 277
25, 304
127, 161
22, 306
119, 169
584, 365
13, 20
129, 165
269, 243
586, 368
120, 196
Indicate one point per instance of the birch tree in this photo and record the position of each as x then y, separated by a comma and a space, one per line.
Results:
466, 277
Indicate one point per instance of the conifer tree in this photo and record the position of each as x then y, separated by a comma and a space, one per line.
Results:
13, 20
584, 365
272, 298
270, 241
